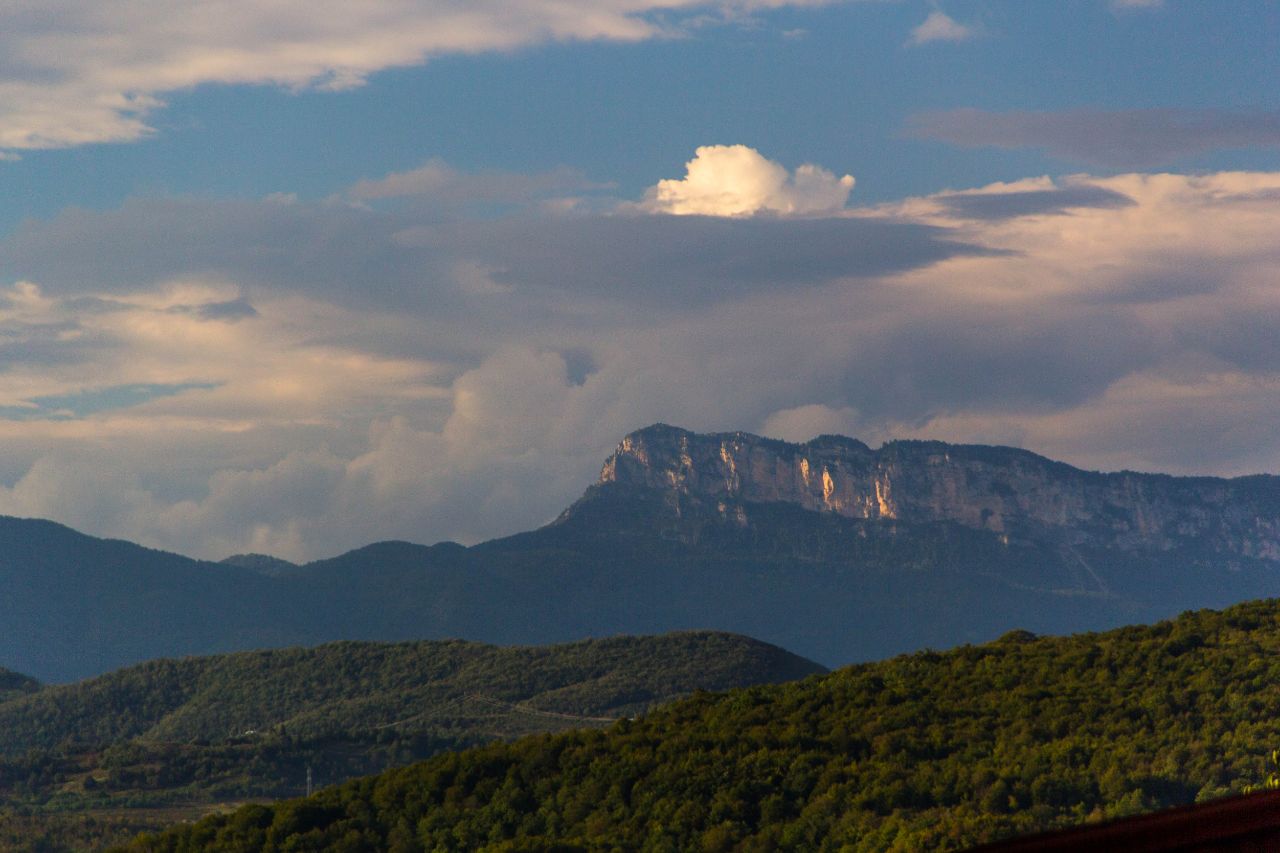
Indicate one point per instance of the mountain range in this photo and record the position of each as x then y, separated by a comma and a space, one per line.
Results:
829, 548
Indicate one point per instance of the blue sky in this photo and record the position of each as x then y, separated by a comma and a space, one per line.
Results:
311, 274
834, 85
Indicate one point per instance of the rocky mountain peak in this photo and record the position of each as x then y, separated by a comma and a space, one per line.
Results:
1005, 490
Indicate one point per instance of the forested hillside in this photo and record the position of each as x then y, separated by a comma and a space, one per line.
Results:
926, 751
178, 733
339, 688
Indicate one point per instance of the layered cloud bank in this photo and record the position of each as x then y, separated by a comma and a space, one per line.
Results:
1126, 139
328, 374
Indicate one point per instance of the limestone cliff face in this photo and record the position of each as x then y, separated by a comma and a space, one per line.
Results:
1010, 492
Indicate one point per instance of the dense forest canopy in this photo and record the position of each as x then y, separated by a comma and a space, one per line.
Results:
925, 751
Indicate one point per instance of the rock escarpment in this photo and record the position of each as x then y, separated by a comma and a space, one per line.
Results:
1010, 492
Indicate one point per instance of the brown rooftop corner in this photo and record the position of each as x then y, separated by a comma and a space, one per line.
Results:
1247, 824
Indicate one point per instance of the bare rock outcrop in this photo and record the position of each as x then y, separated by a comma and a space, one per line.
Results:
1011, 492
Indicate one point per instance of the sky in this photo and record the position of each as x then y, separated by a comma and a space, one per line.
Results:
291, 277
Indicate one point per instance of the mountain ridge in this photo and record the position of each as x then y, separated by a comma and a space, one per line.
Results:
684, 532
216, 697
1005, 490
14, 685
142, 746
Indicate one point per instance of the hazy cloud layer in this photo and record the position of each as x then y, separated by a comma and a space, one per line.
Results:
75, 72
1137, 138
940, 26
437, 181
329, 374
372, 260
995, 204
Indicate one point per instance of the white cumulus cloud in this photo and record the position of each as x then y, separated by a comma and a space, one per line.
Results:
735, 180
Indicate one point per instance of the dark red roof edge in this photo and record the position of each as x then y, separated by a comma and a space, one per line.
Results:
1197, 825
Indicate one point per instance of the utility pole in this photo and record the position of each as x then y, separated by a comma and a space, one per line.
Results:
308, 780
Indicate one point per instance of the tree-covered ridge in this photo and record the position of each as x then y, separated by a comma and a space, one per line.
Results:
926, 751
340, 688
97, 762
15, 684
